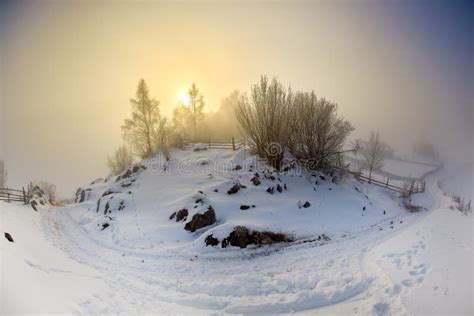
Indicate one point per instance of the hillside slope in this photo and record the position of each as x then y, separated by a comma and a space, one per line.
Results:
145, 262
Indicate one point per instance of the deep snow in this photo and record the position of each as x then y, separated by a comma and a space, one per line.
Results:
397, 263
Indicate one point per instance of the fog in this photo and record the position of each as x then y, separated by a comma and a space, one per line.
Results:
69, 69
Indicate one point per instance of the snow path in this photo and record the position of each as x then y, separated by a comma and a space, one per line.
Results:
274, 279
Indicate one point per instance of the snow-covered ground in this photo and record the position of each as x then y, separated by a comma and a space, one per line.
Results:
380, 259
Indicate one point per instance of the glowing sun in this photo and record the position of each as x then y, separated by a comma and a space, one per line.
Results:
184, 98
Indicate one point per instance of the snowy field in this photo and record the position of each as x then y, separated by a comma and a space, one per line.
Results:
378, 259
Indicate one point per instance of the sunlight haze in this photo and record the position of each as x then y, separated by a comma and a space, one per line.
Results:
70, 68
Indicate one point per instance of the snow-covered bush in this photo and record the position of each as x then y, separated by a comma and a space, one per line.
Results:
266, 119
318, 131
121, 159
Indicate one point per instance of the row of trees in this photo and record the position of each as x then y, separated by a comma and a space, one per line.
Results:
275, 119
147, 130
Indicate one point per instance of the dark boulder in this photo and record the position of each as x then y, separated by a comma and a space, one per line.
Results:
235, 188
33, 205
255, 181
211, 241
9, 237
270, 190
238, 167
241, 237
279, 188
182, 215
104, 226
306, 204
244, 207
173, 215
201, 220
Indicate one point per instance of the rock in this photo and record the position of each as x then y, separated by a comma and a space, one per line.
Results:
238, 167
363, 208
279, 188
241, 237
199, 201
234, 189
33, 205
182, 215
322, 178
285, 187
107, 207
271, 190
104, 226
211, 240
201, 220
173, 215
244, 207
255, 181
9, 237
216, 190
108, 192
306, 204
121, 205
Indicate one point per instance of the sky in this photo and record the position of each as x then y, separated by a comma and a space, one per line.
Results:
68, 70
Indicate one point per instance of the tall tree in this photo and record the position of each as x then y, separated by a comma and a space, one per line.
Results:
196, 106
140, 129
374, 153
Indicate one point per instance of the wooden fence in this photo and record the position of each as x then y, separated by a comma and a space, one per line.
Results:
232, 145
412, 185
12, 195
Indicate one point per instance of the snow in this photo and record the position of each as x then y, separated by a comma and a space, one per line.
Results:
397, 263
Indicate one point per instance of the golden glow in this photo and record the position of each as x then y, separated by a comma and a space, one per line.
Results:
184, 98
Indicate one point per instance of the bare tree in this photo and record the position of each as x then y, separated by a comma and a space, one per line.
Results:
318, 132
374, 153
121, 159
3, 174
266, 119
196, 106
140, 130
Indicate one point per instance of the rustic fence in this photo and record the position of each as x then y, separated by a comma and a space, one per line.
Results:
12, 195
410, 186
232, 145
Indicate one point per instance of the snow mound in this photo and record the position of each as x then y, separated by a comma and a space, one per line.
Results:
141, 203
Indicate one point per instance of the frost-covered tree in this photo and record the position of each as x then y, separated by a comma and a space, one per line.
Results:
373, 152
120, 160
265, 118
196, 106
140, 131
222, 124
3, 174
318, 131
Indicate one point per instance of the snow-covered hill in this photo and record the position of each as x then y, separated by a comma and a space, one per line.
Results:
354, 249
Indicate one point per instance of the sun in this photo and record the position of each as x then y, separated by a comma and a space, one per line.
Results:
184, 98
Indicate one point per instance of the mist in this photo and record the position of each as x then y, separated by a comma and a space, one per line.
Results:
68, 71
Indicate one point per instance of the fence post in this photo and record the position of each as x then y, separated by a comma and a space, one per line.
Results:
8, 196
209, 143
386, 184
24, 195
233, 143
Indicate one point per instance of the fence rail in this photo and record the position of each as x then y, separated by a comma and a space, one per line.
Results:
413, 185
233, 144
13, 195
